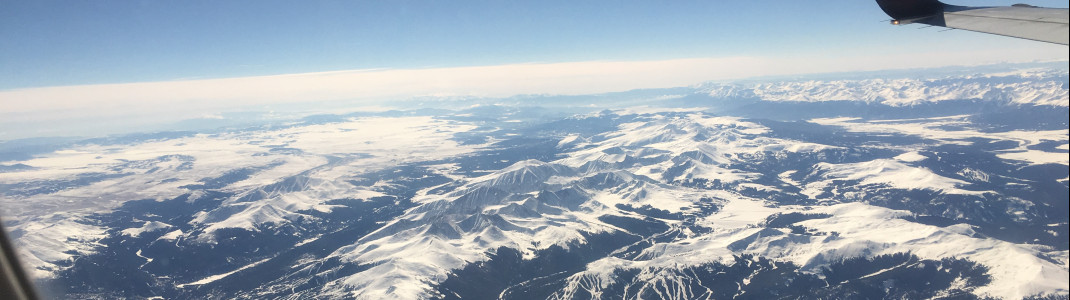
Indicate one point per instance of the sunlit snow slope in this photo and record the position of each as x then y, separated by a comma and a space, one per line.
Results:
879, 187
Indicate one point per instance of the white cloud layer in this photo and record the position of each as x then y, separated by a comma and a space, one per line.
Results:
89, 109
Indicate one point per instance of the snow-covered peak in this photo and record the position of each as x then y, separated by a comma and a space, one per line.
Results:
523, 176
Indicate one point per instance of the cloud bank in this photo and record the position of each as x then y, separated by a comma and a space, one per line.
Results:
96, 109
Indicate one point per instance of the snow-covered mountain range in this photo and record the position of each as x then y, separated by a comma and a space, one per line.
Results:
872, 188
1023, 87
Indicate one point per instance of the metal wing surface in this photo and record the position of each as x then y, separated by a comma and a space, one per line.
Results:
1022, 21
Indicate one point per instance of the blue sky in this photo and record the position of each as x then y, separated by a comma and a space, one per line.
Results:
56, 43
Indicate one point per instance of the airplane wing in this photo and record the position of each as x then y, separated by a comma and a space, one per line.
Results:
1019, 20
15, 284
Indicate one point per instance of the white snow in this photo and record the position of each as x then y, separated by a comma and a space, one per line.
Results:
43, 242
149, 226
863, 230
295, 170
1037, 157
173, 235
911, 157
932, 128
1022, 87
883, 171
409, 262
213, 278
